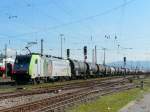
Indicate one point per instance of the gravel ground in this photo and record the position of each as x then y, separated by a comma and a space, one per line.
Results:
11, 102
142, 105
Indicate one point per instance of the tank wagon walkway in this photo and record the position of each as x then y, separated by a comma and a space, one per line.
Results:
142, 105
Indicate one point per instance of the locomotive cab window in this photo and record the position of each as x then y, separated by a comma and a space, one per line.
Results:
23, 60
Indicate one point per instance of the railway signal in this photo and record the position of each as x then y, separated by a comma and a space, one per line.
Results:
85, 53
124, 60
68, 53
42, 47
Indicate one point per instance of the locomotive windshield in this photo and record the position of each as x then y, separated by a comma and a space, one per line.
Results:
22, 63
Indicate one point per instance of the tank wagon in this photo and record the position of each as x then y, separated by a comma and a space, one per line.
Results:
78, 68
37, 68
93, 69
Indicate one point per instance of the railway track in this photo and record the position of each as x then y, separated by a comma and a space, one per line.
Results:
82, 98
55, 89
84, 94
10, 82
7, 82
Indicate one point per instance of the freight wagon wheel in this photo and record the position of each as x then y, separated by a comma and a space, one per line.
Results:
36, 81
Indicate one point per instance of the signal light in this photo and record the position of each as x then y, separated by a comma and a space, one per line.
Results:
85, 50
68, 53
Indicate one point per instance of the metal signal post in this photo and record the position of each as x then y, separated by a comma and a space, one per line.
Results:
42, 47
61, 42
104, 63
85, 53
6, 60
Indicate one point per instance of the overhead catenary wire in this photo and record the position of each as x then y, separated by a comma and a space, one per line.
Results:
63, 9
43, 13
4, 36
79, 20
73, 22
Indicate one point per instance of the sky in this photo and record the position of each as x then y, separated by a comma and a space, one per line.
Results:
82, 22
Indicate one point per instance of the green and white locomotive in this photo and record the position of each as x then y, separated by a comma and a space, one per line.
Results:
40, 68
